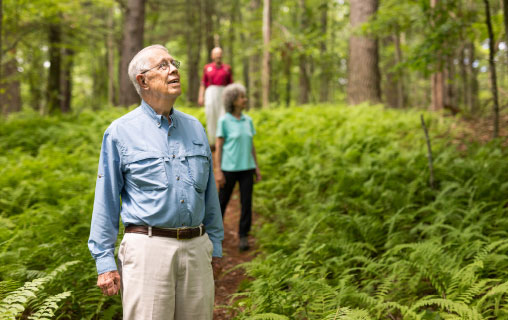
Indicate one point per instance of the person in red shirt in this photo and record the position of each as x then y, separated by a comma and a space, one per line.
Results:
216, 76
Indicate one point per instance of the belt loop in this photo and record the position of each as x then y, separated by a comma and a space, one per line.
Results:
200, 230
149, 231
178, 234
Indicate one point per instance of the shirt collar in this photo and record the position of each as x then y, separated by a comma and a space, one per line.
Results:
242, 116
157, 118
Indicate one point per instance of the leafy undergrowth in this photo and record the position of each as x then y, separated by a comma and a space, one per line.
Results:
350, 228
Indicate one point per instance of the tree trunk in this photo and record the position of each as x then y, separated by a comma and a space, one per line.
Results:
255, 58
473, 86
265, 74
110, 48
505, 15
193, 13
66, 80
401, 94
493, 79
132, 43
324, 93
10, 88
303, 60
363, 69
209, 8
437, 80
232, 32
1, 48
53, 93
286, 58
390, 83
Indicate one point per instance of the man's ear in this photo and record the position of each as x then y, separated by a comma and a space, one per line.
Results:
141, 81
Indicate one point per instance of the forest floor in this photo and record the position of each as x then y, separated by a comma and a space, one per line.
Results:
227, 282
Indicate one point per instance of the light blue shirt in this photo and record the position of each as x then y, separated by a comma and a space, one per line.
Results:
237, 148
163, 174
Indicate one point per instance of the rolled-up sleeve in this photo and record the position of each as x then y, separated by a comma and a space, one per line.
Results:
106, 209
213, 216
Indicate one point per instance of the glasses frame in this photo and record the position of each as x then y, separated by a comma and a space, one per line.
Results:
163, 65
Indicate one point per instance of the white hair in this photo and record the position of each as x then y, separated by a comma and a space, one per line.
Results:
230, 94
139, 63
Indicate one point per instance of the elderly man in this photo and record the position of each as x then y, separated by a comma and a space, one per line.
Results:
216, 76
155, 171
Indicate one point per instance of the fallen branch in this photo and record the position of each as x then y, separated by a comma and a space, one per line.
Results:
429, 153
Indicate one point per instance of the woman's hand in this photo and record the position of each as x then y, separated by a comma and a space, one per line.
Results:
221, 179
258, 175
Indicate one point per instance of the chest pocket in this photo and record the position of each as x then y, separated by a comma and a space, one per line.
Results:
147, 171
198, 167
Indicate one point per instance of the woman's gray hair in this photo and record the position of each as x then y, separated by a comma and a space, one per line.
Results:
230, 94
139, 63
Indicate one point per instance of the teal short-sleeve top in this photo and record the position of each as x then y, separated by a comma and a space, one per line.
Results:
237, 148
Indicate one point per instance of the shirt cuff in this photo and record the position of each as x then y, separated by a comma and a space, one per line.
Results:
106, 264
217, 249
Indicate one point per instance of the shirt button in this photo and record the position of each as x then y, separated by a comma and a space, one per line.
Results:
158, 124
173, 156
169, 134
181, 201
177, 178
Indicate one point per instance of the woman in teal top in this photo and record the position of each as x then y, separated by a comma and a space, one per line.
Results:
237, 156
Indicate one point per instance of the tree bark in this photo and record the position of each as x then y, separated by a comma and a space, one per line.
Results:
255, 57
286, 58
209, 7
53, 93
110, 48
492, 65
437, 80
303, 59
1, 47
324, 93
132, 43
505, 16
473, 86
10, 88
363, 69
232, 32
66, 80
265, 74
193, 13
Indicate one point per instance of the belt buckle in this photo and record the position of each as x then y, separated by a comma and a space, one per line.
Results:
178, 232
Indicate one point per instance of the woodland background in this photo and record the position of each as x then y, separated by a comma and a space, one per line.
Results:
353, 219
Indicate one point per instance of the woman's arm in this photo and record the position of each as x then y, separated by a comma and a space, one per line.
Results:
219, 142
258, 173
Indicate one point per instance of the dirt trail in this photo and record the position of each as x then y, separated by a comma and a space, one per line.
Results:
227, 282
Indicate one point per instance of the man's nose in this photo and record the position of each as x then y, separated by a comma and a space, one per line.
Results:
172, 69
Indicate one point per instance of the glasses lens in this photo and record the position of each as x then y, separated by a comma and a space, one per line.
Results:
176, 63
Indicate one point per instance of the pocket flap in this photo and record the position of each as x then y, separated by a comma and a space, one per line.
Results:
142, 155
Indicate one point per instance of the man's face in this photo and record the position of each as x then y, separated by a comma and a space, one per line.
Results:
217, 55
162, 82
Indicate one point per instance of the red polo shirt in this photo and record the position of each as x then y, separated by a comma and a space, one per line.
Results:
217, 75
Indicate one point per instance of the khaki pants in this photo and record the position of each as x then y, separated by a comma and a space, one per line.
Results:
165, 278
214, 109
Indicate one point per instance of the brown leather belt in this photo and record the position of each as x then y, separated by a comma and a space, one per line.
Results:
180, 233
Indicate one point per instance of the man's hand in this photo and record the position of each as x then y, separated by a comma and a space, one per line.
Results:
201, 101
109, 282
221, 179
216, 266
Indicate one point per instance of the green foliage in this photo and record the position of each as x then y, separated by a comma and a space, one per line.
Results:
349, 221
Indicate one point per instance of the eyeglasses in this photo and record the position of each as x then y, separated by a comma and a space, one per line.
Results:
164, 65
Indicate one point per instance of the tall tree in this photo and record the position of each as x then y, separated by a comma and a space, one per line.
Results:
66, 79
209, 15
265, 74
303, 58
363, 69
254, 57
193, 13
53, 94
505, 16
110, 51
438, 95
325, 67
132, 43
492, 65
